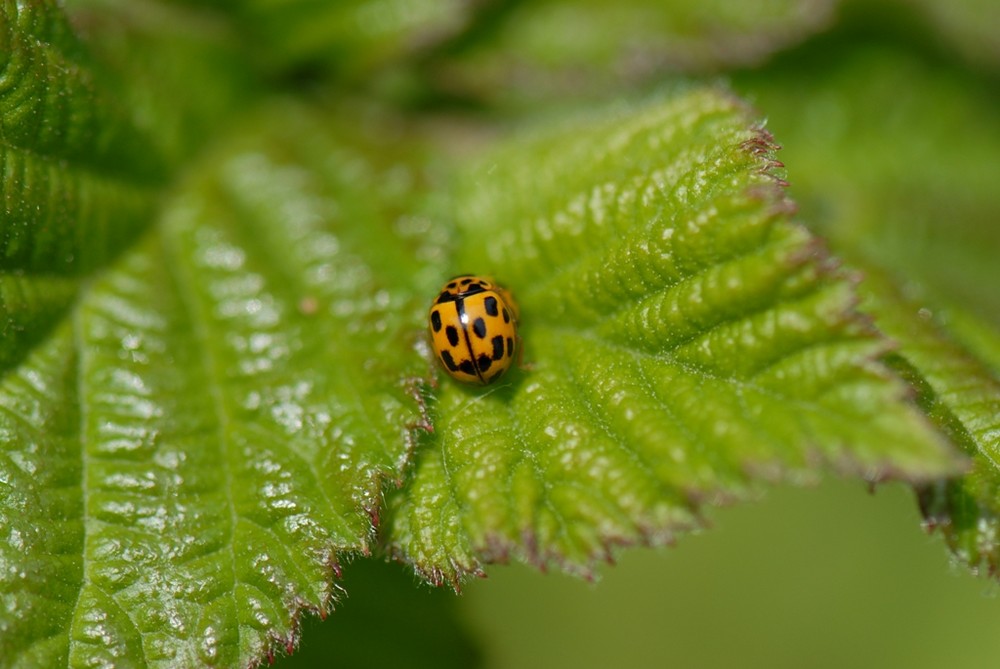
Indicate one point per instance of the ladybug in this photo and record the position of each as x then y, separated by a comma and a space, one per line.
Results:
473, 326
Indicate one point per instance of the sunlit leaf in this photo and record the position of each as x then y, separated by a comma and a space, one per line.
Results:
684, 340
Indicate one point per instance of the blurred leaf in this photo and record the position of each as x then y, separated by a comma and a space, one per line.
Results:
351, 37
555, 49
30, 306
894, 158
181, 71
686, 341
969, 26
896, 161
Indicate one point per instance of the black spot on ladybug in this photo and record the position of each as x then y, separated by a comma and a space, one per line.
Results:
506, 315
466, 281
445, 296
467, 367
490, 303
436, 320
479, 327
497, 347
448, 361
484, 362
452, 333
452, 285
510, 346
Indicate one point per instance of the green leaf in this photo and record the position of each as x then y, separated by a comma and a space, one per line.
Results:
181, 71
41, 557
555, 50
904, 187
962, 395
54, 102
87, 142
685, 342
77, 177
29, 305
352, 37
216, 423
917, 214
967, 25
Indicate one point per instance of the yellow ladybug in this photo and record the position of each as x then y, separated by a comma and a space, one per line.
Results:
473, 326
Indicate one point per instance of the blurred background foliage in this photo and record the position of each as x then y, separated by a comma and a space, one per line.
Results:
828, 577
